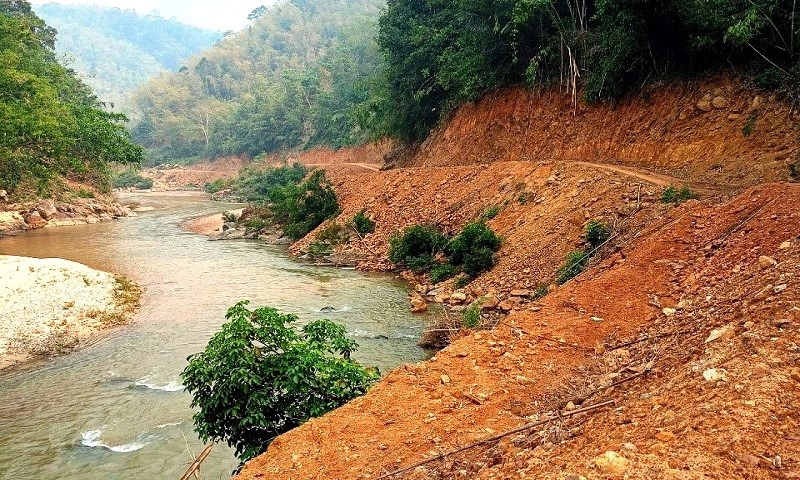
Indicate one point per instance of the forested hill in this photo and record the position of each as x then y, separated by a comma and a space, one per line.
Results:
302, 73
52, 127
310, 72
115, 51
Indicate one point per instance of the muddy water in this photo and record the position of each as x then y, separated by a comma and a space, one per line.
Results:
116, 409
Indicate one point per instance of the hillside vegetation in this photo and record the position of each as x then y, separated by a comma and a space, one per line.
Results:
302, 74
53, 127
318, 73
115, 51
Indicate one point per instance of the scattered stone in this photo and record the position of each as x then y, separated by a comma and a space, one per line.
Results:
766, 262
520, 293
445, 379
669, 311
704, 105
780, 288
786, 245
764, 292
46, 209
665, 437
35, 220
458, 297
505, 306
719, 102
629, 446
722, 333
489, 302
418, 305
597, 319
715, 375
611, 463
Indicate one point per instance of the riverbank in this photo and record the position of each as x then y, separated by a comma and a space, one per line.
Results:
20, 217
50, 306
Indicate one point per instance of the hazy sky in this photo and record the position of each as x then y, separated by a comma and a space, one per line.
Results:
214, 14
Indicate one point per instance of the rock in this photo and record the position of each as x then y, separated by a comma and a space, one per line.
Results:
418, 305
505, 306
722, 333
445, 379
458, 297
786, 245
715, 375
764, 292
35, 220
520, 293
669, 311
489, 302
3, 196
629, 446
704, 104
780, 288
612, 463
719, 102
143, 209
766, 262
665, 437
46, 209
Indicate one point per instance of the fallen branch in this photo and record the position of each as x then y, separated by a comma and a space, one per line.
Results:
195, 466
500, 437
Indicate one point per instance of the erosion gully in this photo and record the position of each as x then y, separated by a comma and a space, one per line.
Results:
116, 407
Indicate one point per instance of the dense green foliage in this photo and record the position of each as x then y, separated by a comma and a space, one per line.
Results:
259, 186
472, 251
416, 247
305, 72
474, 248
677, 195
258, 377
595, 235
362, 223
115, 51
130, 178
441, 53
52, 125
302, 208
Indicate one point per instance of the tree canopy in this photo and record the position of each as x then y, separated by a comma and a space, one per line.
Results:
53, 126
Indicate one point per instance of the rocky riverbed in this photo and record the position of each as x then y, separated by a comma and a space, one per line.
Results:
49, 306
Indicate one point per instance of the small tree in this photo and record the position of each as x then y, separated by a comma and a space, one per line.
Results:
259, 378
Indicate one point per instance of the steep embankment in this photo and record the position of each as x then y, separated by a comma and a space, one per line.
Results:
648, 308
49, 306
15, 217
719, 133
631, 329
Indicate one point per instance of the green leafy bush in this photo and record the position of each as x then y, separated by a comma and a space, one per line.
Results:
574, 264
462, 281
596, 234
302, 208
130, 178
442, 271
259, 186
474, 248
471, 318
491, 212
258, 377
416, 247
216, 186
677, 195
362, 223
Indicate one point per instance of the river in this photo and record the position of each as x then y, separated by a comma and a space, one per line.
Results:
115, 409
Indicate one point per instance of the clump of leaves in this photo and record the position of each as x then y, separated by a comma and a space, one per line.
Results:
574, 264
416, 247
678, 195
130, 178
596, 234
474, 248
541, 291
259, 186
462, 281
302, 208
258, 377
216, 186
471, 318
491, 212
794, 170
442, 271
750, 126
229, 217
362, 223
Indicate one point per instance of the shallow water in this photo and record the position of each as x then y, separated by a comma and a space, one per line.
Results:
116, 408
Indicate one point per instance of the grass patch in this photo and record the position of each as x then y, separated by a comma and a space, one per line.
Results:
677, 195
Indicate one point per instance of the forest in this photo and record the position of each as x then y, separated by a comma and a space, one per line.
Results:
309, 72
115, 51
53, 126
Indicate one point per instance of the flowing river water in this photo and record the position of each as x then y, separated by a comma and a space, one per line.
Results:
116, 409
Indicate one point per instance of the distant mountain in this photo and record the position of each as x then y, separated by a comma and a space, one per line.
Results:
115, 51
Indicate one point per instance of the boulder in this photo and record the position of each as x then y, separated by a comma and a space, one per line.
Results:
704, 105
35, 220
612, 463
719, 102
46, 209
